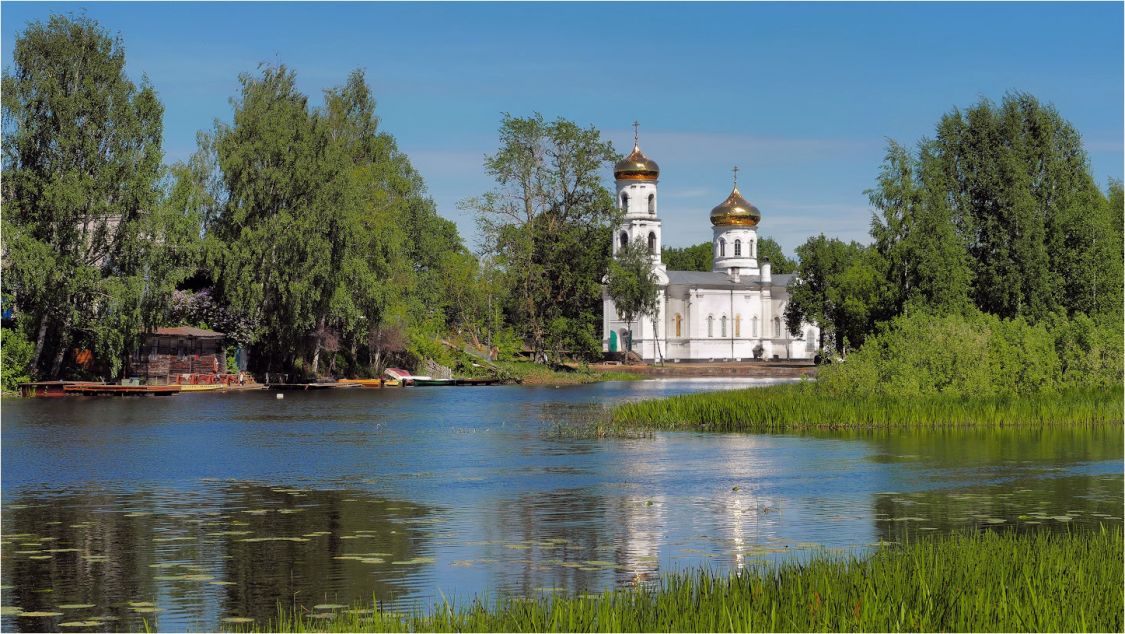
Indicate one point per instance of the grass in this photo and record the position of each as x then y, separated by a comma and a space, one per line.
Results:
989, 581
801, 406
538, 374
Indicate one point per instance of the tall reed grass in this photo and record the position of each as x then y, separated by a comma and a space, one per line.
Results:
797, 406
1040, 581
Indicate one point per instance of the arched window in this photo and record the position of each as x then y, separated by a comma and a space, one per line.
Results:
710, 325
738, 325
679, 320
625, 202
737, 248
652, 204
810, 344
722, 248
624, 239
723, 326
754, 326
652, 243
777, 327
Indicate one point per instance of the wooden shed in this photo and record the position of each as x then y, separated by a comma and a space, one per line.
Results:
180, 355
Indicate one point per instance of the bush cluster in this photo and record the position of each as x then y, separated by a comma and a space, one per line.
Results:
978, 354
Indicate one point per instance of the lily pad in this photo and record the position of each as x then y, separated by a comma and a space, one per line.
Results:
80, 624
238, 619
328, 606
40, 614
10, 610
75, 606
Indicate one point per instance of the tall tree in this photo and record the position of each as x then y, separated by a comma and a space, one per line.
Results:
926, 263
841, 287
314, 239
631, 283
87, 260
697, 257
548, 224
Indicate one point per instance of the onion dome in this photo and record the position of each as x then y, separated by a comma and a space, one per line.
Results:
636, 166
735, 210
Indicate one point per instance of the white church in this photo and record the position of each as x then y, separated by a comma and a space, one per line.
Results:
735, 312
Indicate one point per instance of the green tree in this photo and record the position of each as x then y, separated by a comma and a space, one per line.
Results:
317, 233
1027, 209
926, 263
841, 287
90, 256
548, 225
631, 283
770, 250
697, 257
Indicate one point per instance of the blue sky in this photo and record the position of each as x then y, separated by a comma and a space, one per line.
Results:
802, 96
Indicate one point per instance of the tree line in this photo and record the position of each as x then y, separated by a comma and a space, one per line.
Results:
301, 232
307, 236
998, 214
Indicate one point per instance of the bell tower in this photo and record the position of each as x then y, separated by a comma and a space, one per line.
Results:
636, 177
735, 226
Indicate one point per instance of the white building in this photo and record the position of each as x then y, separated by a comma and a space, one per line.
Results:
724, 314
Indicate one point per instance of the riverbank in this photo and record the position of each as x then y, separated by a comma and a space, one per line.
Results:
802, 406
752, 369
1041, 581
529, 373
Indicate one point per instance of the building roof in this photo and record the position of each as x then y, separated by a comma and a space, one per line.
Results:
718, 279
189, 331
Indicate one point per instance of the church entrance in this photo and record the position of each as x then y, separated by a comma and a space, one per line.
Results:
613, 341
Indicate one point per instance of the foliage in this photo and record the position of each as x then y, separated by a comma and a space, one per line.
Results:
16, 351
981, 581
700, 257
324, 239
548, 223
839, 286
999, 209
770, 250
807, 406
697, 257
92, 250
631, 283
980, 355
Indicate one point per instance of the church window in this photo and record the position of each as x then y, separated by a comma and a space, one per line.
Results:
737, 248
722, 248
652, 204
679, 320
754, 326
624, 239
723, 326
777, 327
710, 326
652, 243
624, 201
738, 325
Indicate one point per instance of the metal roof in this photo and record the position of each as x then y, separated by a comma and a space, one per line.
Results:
717, 279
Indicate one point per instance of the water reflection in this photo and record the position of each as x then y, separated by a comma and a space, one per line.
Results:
231, 549
187, 511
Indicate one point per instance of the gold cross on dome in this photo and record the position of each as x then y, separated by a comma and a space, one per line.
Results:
636, 128
735, 170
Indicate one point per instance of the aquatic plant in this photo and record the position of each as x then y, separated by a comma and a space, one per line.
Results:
799, 406
987, 581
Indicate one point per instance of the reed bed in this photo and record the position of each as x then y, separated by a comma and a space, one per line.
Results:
800, 406
987, 581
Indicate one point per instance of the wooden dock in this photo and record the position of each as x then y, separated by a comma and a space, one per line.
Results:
102, 389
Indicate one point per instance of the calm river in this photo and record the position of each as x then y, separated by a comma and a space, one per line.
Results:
187, 510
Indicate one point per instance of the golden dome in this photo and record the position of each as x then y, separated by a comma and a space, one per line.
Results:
636, 166
735, 210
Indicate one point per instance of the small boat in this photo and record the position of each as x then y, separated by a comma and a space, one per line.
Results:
201, 387
425, 380
370, 383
